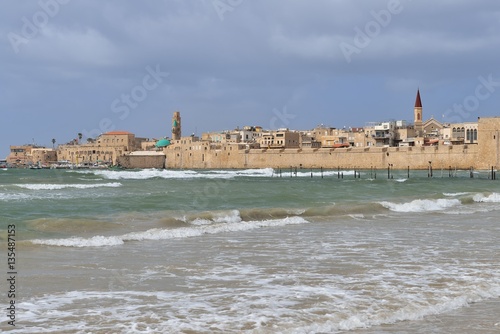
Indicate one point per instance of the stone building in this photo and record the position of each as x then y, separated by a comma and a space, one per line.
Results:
488, 139
282, 139
105, 149
27, 155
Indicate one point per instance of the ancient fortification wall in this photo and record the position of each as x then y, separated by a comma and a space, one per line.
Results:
458, 156
483, 155
489, 141
142, 161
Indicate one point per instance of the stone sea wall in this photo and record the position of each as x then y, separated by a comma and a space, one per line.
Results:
142, 161
456, 156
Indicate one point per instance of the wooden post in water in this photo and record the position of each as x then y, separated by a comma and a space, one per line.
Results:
321, 172
471, 174
408, 171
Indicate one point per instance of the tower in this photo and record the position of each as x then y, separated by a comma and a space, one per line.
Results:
176, 126
417, 111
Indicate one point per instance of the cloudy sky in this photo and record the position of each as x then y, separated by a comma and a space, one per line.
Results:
89, 66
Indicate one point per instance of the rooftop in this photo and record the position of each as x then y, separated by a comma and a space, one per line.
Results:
114, 133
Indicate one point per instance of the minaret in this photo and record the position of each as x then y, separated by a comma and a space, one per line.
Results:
418, 116
176, 126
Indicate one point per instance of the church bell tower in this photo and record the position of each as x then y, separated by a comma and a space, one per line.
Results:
417, 111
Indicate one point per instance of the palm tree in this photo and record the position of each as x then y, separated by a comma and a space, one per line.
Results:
79, 137
53, 142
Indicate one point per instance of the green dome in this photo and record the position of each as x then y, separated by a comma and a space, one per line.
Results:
162, 143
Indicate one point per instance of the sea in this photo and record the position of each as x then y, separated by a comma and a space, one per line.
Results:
249, 251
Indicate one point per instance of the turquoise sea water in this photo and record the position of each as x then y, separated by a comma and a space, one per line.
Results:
230, 251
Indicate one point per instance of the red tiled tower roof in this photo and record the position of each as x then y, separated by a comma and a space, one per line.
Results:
418, 102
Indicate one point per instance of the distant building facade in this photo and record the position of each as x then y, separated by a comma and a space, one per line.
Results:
29, 155
105, 149
377, 144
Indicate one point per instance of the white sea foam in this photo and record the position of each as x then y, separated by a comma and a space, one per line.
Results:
357, 216
422, 205
201, 227
264, 172
411, 312
455, 194
53, 186
316, 173
231, 217
14, 197
97, 241
263, 299
145, 174
492, 198
206, 174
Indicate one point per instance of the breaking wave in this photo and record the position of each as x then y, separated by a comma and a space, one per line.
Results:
198, 229
492, 198
422, 205
53, 186
145, 174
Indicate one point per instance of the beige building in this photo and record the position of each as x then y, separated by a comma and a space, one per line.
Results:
189, 153
19, 155
488, 142
283, 138
105, 149
43, 157
432, 128
26, 155
248, 134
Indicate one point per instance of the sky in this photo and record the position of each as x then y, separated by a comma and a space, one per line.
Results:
89, 66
